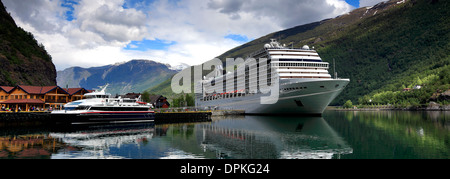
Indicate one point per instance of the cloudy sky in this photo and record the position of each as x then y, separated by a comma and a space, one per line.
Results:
91, 33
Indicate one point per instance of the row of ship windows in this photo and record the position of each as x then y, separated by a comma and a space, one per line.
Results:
300, 64
251, 81
225, 96
234, 95
289, 77
296, 88
300, 88
303, 73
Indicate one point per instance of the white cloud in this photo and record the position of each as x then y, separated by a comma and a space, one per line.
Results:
102, 29
43, 16
285, 13
110, 20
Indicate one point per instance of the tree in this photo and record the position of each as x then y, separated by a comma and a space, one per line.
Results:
348, 104
419, 81
146, 96
444, 75
190, 101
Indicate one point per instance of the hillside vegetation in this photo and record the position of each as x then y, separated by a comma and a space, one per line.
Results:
24, 61
405, 46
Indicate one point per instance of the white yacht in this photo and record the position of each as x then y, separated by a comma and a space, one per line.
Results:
305, 85
99, 107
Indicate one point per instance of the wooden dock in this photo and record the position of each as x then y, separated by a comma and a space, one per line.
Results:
162, 116
24, 117
182, 117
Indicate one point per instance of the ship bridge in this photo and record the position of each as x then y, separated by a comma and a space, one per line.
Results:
294, 62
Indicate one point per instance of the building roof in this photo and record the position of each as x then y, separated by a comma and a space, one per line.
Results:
72, 91
23, 101
42, 89
154, 98
37, 89
6, 88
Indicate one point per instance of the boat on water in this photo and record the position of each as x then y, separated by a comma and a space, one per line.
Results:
305, 85
100, 107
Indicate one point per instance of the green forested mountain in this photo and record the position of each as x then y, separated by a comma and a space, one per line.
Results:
380, 48
23, 60
393, 49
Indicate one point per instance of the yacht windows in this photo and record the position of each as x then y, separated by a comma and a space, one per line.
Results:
76, 108
74, 103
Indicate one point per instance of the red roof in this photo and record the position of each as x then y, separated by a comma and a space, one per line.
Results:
37, 89
42, 89
23, 101
6, 88
72, 91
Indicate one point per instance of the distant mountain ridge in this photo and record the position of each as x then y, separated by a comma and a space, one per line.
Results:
127, 77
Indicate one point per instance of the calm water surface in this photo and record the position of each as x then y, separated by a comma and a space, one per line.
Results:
336, 135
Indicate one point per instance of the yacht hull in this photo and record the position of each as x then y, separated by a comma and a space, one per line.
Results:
96, 117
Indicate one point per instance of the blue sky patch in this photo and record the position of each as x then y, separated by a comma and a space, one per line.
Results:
238, 38
68, 4
136, 4
145, 45
354, 3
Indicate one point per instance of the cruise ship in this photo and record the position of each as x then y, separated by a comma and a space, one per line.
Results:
305, 85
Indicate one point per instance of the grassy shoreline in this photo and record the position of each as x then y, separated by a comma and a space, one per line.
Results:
391, 108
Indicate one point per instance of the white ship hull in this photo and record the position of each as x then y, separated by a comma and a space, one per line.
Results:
312, 99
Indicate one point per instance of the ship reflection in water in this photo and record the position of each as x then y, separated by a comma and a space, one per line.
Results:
236, 137
256, 137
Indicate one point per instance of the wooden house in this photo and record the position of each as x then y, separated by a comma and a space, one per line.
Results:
38, 98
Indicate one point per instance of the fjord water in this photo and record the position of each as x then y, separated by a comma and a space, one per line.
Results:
336, 135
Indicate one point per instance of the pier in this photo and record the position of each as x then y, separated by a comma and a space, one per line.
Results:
182, 117
167, 116
15, 118
190, 114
